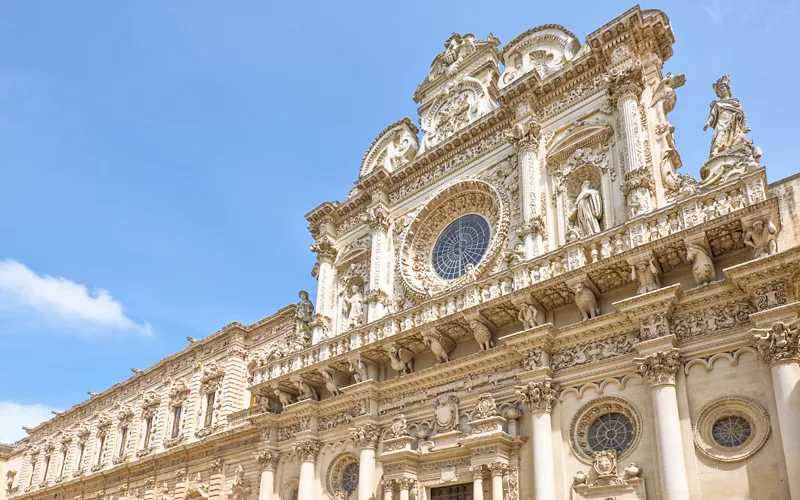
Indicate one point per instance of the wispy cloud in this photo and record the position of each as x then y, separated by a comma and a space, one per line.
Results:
715, 12
33, 297
13, 416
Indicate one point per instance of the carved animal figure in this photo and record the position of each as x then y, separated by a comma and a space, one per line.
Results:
401, 359
702, 266
359, 370
441, 345
285, 398
330, 384
586, 301
482, 335
306, 391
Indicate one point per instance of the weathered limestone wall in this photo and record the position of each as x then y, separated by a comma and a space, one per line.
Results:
788, 193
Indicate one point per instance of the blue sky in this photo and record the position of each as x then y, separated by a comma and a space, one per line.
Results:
157, 158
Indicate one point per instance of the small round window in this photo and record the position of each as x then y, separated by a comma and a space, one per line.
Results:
731, 431
349, 481
612, 431
463, 243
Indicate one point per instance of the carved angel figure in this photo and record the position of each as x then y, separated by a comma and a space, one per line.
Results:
646, 272
727, 118
702, 266
441, 345
354, 307
586, 301
528, 314
401, 359
762, 239
482, 335
588, 210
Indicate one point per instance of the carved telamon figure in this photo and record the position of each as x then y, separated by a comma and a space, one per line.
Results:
528, 314
727, 118
303, 312
646, 273
588, 210
354, 307
762, 239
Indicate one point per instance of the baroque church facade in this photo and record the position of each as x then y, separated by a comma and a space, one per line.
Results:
521, 298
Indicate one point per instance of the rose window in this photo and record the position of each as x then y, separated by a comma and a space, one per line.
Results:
463, 243
731, 431
349, 481
612, 431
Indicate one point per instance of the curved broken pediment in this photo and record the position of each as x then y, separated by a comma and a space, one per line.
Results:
544, 49
396, 146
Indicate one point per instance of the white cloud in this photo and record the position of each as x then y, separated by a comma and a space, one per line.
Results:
13, 416
62, 301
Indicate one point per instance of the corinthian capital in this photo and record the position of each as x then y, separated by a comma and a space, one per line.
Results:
659, 368
625, 81
324, 248
377, 218
779, 344
307, 450
267, 459
525, 136
365, 436
538, 396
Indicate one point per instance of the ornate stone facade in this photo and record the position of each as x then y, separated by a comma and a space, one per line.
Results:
511, 301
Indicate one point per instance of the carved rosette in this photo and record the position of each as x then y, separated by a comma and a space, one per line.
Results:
486, 407
307, 450
539, 397
659, 368
267, 459
525, 136
399, 427
365, 436
471, 196
778, 344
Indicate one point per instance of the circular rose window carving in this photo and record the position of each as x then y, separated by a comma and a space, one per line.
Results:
343, 475
607, 423
731, 429
455, 237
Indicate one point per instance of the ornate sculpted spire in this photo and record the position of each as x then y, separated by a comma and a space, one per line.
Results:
538, 396
659, 368
779, 344
365, 436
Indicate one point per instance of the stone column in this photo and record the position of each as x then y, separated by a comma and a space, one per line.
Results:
524, 138
377, 218
388, 488
235, 380
539, 397
477, 481
779, 347
659, 370
405, 484
498, 470
215, 481
366, 438
326, 254
625, 89
268, 462
307, 451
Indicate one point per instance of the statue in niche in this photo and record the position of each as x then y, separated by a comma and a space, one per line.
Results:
588, 210
646, 273
303, 312
354, 307
727, 118
762, 239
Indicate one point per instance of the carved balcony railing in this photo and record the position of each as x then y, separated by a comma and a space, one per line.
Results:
242, 416
715, 214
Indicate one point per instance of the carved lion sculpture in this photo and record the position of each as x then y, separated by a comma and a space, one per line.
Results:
482, 335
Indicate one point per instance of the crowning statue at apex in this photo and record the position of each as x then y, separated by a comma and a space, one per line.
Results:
520, 290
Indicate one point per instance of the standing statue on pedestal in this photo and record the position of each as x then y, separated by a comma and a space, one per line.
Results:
588, 210
354, 307
303, 312
727, 118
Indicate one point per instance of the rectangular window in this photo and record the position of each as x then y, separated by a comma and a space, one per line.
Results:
148, 430
101, 442
176, 421
46, 467
63, 462
209, 408
81, 451
123, 440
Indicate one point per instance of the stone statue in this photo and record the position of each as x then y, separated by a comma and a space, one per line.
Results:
482, 335
762, 239
646, 273
354, 307
727, 118
528, 315
303, 312
702, 266
586, 301
588, 210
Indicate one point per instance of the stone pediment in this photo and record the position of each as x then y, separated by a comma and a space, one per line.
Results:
394, 147
544, 50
